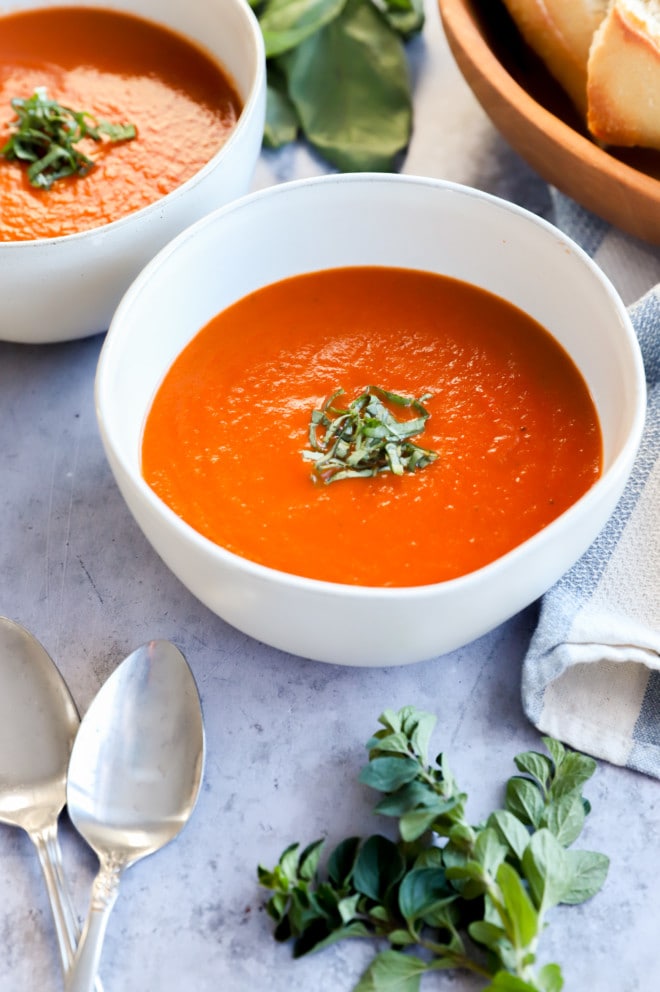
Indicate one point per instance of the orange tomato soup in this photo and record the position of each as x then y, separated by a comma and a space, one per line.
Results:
123, 69
515, 429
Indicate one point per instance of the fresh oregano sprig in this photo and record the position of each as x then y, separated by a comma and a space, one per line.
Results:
466, 896
338, 74
365, 438
45, 134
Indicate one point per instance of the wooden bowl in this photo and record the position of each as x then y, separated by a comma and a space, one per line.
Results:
538, 120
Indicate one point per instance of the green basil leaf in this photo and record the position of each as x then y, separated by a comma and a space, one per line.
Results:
401, 938
348, 908
511, 831
342, 861
350, 85
575, 770
378, 866
288, 863
420, 890
488, 934
420, 732
564, 818
391, 721
470, 870
524, 800
281, 125
462, 836
309, 860
547, 869
489, 850
588, 871
318, 937
443, 915
411, 796
392, 971
396, 743
550, 978
389, 774
504, 981
522, 923
276, 906
414, 824
535, 764
405, 16
286, 23
556, 750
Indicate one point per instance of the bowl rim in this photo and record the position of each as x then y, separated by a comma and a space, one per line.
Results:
250, 106
609, 479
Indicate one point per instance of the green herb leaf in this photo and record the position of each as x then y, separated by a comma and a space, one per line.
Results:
45, 134
511, 831
547, 869
379, 865
537, 766
392, 971
521, 919
565, 818
366, 439
556, 750
421, 891
388, 774
488, 934
588, 873
489, 850
550, 978
282, 124
286, 23
524, 800
342, 861
575, 770
350, 85
504, 981
445, 880
405, 16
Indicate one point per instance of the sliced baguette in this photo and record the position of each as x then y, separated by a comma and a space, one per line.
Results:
623, 85
560, 32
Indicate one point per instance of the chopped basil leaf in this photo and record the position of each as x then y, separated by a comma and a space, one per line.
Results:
44, 135
366, 438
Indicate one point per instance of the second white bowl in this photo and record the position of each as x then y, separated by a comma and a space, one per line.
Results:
369, 220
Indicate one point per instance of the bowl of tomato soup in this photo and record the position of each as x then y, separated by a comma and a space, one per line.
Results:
120, 125
367, 418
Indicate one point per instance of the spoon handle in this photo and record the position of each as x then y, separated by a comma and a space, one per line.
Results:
82, 974
66, 924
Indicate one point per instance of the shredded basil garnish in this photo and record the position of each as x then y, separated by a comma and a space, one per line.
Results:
45, 134
365, 438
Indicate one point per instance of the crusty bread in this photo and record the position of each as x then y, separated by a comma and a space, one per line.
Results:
560, 32
623, 86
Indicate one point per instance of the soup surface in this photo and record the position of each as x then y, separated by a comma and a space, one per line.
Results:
123, 69
511, 420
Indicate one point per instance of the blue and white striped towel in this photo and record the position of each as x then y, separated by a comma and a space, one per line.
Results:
591, 676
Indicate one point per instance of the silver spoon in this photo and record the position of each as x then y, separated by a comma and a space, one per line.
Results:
38, 724
134, 777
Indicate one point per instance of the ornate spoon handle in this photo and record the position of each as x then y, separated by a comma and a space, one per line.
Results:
82, 974
66, 924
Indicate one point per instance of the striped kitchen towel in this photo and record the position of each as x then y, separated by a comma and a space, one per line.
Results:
591, 676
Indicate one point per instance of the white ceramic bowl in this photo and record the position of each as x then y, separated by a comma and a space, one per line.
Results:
378, 220
57, 289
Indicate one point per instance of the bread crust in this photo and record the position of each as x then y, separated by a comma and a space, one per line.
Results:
623, 87
560, 32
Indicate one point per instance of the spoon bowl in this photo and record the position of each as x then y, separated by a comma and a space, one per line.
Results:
134, 776
38, 724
